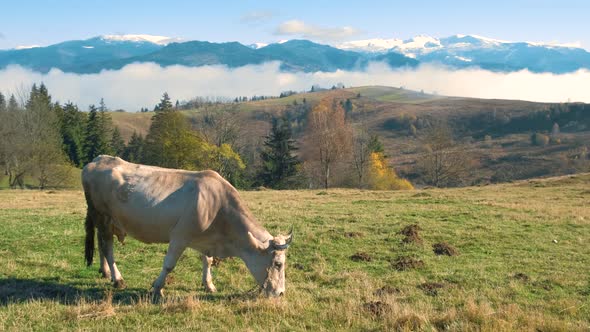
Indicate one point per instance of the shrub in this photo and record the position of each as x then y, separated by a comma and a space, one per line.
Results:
383, 177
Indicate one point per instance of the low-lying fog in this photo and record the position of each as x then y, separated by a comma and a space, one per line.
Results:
141, 85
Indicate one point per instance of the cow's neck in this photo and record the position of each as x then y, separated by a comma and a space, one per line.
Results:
240, 222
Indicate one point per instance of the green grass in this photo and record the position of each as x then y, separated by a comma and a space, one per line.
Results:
510, 274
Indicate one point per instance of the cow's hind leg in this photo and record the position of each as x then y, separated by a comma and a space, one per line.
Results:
105, 242
175, 250
207, 279
104, 268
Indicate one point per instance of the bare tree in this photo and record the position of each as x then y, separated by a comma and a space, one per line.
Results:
329, 138
360, 150
30, 141
221, 125
444, 163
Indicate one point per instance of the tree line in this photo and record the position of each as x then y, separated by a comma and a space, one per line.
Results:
44, 141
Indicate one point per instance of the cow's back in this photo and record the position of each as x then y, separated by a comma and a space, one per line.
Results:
147, 201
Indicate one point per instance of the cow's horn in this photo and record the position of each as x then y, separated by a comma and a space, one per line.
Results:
290, 238
257, 244
287, 242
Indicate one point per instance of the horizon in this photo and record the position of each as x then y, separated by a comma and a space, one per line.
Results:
165, 40
139, 84
267, 22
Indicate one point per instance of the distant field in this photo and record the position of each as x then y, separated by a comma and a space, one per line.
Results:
523, 264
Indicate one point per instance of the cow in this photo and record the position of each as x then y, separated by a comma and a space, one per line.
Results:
186, 209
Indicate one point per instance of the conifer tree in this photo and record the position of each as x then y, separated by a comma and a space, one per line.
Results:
73, 125
134, 149
97, 141
279, 166
12, 104
2, 103
117, 143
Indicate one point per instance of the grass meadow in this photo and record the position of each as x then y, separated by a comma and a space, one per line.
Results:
523, 263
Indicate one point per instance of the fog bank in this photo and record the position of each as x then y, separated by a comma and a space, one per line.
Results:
141, 85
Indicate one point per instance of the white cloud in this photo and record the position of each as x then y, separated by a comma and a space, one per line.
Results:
141, 85
300, 28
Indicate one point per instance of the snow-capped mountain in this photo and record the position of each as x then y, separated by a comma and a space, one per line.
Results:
159, 40
459, 51
477, 51
258, 45
422, 44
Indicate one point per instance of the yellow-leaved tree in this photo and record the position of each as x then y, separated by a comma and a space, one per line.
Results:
383, 177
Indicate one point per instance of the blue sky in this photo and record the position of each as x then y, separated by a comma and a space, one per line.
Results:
27, 22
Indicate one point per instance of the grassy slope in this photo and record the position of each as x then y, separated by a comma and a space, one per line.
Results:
510, 274
507, 156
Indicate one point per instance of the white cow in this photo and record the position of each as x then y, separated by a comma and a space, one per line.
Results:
199, 210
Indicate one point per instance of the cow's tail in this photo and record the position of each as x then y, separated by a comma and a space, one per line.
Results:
90, 230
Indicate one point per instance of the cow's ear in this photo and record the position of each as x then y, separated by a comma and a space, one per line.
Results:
256, 244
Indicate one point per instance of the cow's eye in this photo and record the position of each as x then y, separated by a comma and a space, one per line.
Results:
278, 265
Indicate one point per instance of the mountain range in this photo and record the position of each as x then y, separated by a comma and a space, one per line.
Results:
112, 52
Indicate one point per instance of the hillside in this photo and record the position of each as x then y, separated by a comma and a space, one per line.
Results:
522, 264
495, 133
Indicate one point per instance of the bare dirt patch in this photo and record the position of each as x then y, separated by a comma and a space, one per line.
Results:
407, 263
443, 248
299, 266
361, 257
386, 290
377, 308
521, 276
217, 261
170, 279
431, 288
353, 234
411, 233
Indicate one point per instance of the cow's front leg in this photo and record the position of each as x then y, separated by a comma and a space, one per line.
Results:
175, 250
207, 279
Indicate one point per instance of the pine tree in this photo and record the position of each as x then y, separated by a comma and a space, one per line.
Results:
279, 166
73, 124
348, 106
117, 143
97, 141
375, 144
12, 104
165, 104
134, 149
2, 103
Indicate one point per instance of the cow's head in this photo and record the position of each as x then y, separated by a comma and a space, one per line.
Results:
269, 266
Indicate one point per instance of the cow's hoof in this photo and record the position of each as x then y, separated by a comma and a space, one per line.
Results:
119, 284
210, 289
157, 296
104, 274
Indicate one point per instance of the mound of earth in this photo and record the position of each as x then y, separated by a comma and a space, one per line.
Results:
407, 263
353, 234
431, 288
386, 290
361, 257
443, 248
377, 308
411, 234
